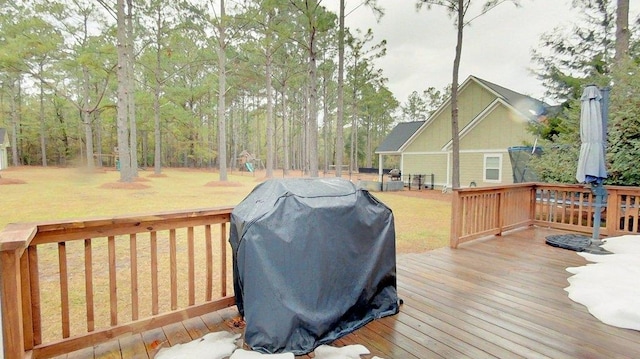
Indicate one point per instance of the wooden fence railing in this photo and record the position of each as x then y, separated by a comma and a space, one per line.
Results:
485, 211
67, 285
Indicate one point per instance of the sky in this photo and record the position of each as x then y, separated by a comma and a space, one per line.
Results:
496, 46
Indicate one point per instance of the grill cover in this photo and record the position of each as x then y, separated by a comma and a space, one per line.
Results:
313, 260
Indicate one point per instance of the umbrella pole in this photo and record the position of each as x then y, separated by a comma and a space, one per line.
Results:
599, 191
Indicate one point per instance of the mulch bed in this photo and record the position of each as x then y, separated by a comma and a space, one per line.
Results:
4, 181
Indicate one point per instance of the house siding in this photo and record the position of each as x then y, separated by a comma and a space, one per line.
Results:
472, 100
472, 168
426, 164
500, 129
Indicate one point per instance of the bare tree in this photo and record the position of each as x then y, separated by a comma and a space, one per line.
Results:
340, 113
222, 89
458, 8
378, 12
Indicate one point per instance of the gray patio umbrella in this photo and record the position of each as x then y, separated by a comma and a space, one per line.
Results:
591, 163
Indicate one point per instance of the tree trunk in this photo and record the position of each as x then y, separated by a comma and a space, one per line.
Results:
15, 120
131, 106
325, 124
86, 119
340, 113
234, 139
354, 123
98, 134
455, 139
270, 127
222, 85
312, 140
622, 31
124, 155
157, 137
285, 132
369, 145
43, 126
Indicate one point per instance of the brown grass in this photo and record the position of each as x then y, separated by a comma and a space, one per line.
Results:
422, 217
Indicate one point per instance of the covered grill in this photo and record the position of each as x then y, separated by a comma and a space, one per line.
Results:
313, 260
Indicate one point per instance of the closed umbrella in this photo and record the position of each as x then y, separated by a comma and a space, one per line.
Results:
591, 162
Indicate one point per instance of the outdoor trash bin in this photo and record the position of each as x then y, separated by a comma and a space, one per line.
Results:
313, 260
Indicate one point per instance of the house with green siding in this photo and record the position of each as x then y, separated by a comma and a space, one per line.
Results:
491, 119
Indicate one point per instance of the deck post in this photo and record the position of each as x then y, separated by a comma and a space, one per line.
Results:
613, 214
532, 203
456, 219
501, 209
12, 330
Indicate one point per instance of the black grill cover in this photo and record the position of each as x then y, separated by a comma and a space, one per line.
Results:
313, 260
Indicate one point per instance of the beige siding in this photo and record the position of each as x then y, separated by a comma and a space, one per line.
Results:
500, 129
473, 99
472, 168
426, 164
435, 135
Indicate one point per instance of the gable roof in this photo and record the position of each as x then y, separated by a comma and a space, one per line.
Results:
398, 136
526, 105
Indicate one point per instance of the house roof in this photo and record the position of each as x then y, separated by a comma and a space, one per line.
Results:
398, 136
526, 105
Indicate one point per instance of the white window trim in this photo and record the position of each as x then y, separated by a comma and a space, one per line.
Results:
484, 167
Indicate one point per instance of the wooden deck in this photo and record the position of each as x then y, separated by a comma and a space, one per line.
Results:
496, 298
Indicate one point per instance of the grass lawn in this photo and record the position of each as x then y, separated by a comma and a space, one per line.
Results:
422, 219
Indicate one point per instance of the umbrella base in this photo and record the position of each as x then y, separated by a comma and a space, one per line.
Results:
576, 242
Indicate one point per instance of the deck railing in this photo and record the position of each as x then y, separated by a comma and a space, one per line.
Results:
486, 211
67, 285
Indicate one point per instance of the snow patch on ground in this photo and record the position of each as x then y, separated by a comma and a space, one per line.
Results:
610, 286
220, 345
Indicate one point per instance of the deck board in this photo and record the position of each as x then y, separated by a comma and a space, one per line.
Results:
132, 347
498, 298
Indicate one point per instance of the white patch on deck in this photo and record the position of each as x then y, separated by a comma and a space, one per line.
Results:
216, 345
610, 287
220, 345
245, 354
346, 352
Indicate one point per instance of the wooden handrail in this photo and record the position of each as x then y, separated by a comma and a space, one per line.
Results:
105, 255
486, 211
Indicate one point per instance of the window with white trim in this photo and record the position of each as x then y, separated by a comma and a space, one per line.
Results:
493, 167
